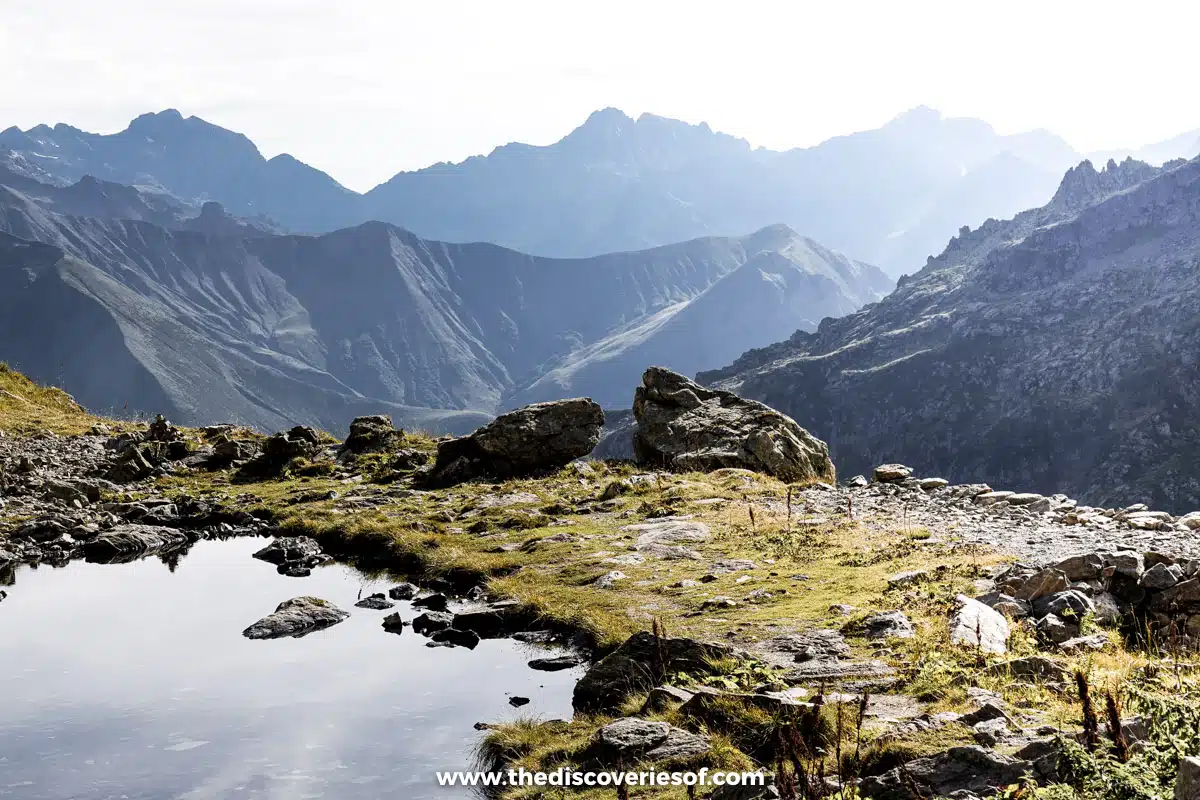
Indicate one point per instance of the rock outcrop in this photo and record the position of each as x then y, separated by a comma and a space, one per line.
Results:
684, 426
531, 440
639, 665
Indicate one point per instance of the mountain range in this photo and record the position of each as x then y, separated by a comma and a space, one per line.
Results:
131, 298
1056, 350
891, 196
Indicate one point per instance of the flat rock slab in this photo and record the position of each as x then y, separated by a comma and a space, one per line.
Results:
633, 739
296, 617
128, 542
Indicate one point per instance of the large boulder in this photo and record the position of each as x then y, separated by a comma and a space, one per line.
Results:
372, 434
281, 448
531, 440
639, 665
975, 625
684, 426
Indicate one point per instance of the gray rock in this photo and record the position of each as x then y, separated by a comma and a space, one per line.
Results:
631, 740
1041, 584
858, 482
375, 602
1070, 604
1085, 567
403, 591
1187, 781
1127, 563
1161, 576
1055, 629
285, 549
432, 621
531, 440
557, 663
684, 426
638, 665
296, 617
129, 542
662, 698
370, 435
456, 638
892, 473
975, 625
887, 625
975, 770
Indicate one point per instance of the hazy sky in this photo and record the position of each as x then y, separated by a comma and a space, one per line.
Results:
364, 88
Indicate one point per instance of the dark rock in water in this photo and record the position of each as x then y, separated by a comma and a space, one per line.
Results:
370, 435
403, 591
3, 594
289, 548
973, 770
531, 440
434, 602
294, 569
631, 668
556, 664
129, 542
632, 739
296, 617
432, 621
496, 620
457, 638
684, 426
376, 602
516, 701
392, 623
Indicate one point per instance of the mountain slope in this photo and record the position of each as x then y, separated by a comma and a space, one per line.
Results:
1053, 351
225, 320
890, 196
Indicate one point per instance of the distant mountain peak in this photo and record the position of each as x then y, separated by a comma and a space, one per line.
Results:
1083, 185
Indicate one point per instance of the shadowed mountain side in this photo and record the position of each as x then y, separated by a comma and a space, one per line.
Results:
234, 322
1054, 351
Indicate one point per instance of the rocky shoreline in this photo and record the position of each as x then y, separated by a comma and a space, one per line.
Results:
966, 660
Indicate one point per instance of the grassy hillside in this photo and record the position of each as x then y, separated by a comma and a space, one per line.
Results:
27, 408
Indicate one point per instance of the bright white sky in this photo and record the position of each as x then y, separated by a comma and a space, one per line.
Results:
365, 88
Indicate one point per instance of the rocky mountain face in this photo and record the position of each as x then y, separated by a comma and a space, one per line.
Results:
889, 196
1054, 351
208, 317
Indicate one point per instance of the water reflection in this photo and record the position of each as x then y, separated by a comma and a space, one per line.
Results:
133, 681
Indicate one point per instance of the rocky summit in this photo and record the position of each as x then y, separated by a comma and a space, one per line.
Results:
1051, 352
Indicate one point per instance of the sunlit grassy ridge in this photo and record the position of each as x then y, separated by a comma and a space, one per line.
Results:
26, 407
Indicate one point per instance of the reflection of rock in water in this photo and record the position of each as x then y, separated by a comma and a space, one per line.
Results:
8, 575
173, 558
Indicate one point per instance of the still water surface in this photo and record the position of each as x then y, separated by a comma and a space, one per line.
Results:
131, 681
